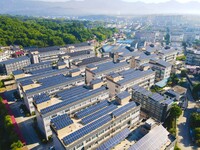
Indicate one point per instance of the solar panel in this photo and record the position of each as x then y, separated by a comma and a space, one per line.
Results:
26, 82
72, 100
123, 109
91, 109
86, 130
114, 140
41, 98
66, 94
98, 114
61, 121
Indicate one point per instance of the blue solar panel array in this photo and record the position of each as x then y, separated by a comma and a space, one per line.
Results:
41, 98
62, 121
124, 109
91, 109
114, 140
134, 75
43, 75
72, 100
98, 114
26, 82
109, 66
69, 93
41, 70
86, 130
52, 82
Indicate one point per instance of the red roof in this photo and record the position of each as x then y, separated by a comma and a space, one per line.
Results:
19, 53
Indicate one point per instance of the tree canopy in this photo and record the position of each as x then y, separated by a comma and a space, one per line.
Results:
175, 112
48, 32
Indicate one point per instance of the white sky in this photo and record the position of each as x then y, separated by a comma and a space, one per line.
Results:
146, 1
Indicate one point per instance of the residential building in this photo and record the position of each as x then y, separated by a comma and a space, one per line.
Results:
193, 57
141, 59
38, 66
162, 69
77, 56
81, 64
50, 85
154, 137
168, 55
21, 76
176, 39
153, 104
124, 80
8, 66
45, 54
68, 102
79, 47
106, 124
93, 72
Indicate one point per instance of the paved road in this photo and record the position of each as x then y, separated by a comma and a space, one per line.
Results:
25, 124
183, 133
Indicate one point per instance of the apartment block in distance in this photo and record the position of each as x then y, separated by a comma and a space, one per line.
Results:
8, 66
168, 55
153, 104
193, 57
124, 80
162, 69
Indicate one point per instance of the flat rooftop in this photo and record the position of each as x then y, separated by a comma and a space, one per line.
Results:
131, 75
109, 67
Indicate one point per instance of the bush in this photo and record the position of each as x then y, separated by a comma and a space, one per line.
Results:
1, 84
16, 145
173, 131
181, 58
195, 120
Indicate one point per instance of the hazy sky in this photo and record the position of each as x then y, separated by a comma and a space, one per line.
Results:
147, 1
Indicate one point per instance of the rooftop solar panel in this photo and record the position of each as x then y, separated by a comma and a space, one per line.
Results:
124, 109
98, 114
91, 109
86, 130
61, 121
114, 140
72, 100
41, 98
109, 67
26, 82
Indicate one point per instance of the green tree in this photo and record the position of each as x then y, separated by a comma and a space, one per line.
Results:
196, 91
175, 111
167, 38
183, 73
195, 120
173, 80
17, 145
1, 84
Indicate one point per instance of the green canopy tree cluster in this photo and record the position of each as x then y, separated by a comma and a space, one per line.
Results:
195, 124
9, 139
48, 32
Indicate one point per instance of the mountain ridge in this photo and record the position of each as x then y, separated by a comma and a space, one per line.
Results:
95, 7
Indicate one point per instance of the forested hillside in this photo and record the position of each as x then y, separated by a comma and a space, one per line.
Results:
48, 32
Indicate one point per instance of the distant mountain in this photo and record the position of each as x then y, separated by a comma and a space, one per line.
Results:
95, 7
